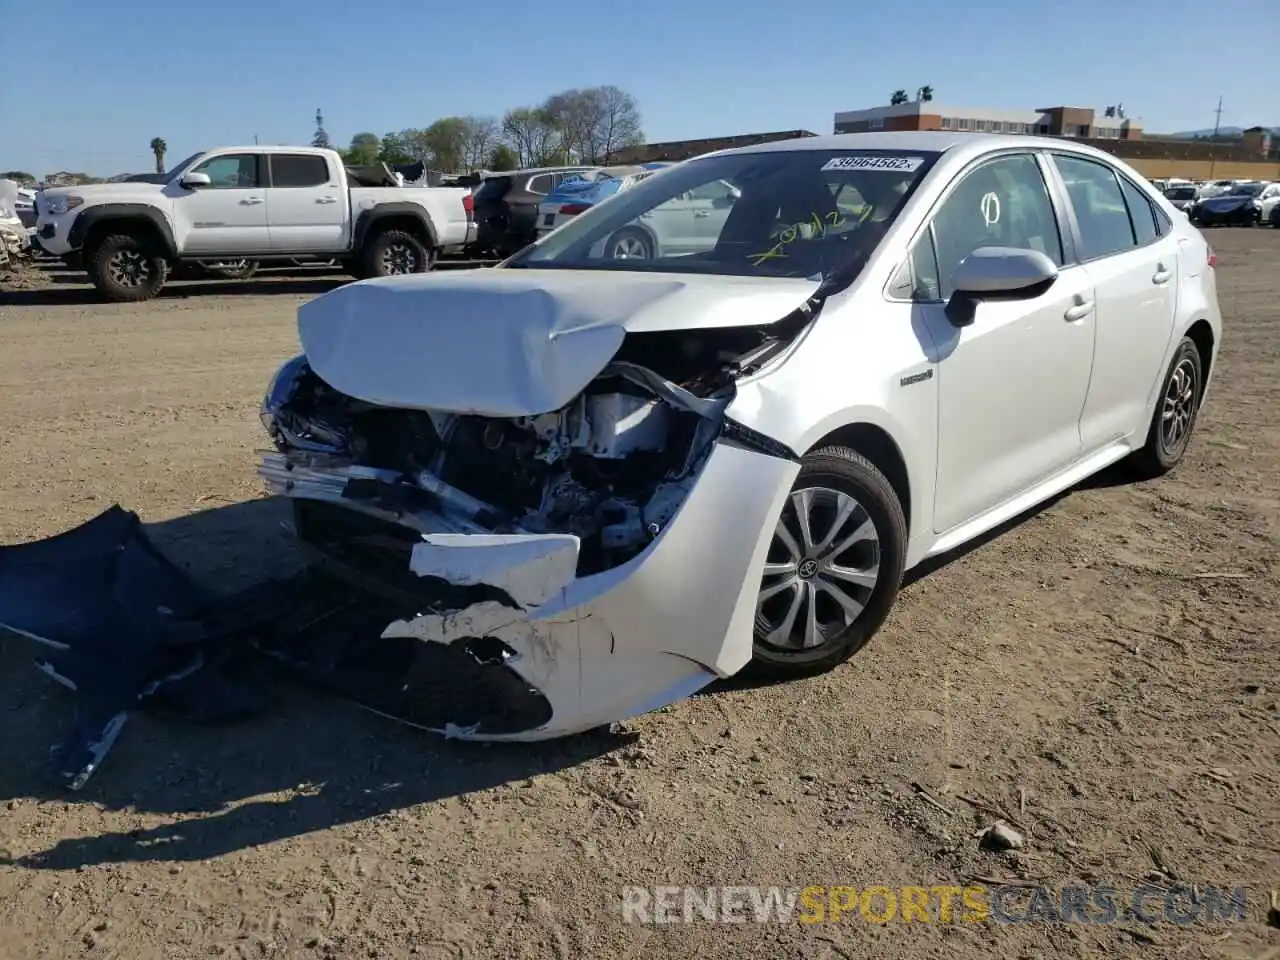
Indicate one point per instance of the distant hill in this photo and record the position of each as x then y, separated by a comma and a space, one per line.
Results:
1224, 133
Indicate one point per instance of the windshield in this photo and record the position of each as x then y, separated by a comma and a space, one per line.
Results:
1180, 193
792, 213
1247, 189
175, 170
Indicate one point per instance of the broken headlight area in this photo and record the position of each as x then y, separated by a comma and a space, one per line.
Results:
611, 468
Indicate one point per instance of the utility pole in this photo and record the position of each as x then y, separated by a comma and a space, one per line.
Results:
1217, 119
255, 139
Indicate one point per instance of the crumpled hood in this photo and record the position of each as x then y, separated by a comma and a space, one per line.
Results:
506, 342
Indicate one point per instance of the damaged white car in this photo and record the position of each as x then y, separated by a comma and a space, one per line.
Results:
592, 484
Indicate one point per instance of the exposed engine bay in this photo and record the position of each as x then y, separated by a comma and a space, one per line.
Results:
611, 467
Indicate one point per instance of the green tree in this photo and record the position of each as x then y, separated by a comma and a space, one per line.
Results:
502, 157
321, 138
926, 93
158, 148
447, 143
393, 149
364, 150
899, 96
17, 176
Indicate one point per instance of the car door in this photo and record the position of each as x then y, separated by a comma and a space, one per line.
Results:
1012, 383
1132, 259
710, 205
673, 226
305, 212
229, 215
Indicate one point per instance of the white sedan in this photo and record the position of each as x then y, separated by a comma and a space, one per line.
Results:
588, 485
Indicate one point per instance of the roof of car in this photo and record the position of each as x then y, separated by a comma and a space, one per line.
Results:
924, 140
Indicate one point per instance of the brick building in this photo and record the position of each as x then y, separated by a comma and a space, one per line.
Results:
1045, 121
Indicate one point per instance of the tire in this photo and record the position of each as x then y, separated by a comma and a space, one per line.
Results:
629, 239
127, 269
393, 253
1180, 393
831, 480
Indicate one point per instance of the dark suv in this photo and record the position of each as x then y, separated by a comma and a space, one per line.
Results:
507, 206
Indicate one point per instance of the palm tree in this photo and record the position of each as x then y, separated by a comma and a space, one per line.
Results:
899, 96
158, 147
926, 93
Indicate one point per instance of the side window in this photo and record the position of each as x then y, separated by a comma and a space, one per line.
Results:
236, 171
1103, 217
298, 170
543, 183
1142, 212
1002, 203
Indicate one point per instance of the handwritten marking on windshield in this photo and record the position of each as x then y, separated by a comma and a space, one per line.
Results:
815, 228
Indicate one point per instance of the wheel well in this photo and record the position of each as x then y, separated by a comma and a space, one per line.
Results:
1201, 335
878, 447
638, 228
139, 227
405, 222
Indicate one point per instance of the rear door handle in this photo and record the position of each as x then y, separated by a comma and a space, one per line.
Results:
702, 213
251, 201
326, 199
1079, 311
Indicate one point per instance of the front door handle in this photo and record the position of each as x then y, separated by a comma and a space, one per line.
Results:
326, 199
1162, 275
1079, 310
251, 201
702, 213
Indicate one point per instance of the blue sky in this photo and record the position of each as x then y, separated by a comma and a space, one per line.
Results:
88, 84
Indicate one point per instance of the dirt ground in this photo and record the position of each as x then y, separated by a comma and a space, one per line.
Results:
1103, 673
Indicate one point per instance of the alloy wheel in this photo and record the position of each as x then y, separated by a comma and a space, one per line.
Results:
128, 268
630, 248
822, 567
1178, 406
399, 258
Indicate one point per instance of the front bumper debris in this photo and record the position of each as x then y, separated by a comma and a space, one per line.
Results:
406, 612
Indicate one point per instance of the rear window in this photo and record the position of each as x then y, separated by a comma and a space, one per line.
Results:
298, 170
494, 188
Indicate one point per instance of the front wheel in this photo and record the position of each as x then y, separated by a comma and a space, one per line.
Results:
833, 569
394, 253
126, 269
1169, 434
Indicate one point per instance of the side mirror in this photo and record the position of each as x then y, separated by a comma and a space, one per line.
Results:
194, 181
998, 273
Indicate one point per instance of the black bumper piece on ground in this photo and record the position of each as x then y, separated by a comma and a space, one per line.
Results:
125, 628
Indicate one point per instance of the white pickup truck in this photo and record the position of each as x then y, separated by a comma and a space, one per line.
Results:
243, 204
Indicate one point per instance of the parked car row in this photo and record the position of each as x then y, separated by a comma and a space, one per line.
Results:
1211, 203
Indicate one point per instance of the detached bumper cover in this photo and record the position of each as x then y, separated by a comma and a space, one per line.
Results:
122, 626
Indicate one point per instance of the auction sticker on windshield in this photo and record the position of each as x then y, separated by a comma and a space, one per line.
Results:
893, 164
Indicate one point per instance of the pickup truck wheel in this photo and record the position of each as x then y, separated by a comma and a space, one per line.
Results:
395, 253
126, 269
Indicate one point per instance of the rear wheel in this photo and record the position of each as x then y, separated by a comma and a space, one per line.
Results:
126, 268
1175, 415
394, 253
629, 243
834, 566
